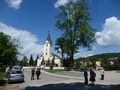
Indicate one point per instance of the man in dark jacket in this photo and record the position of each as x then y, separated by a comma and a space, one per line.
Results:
92, 76
38, 73
32, 73
86, 76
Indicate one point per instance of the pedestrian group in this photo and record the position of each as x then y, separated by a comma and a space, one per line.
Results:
38, 72
92, 75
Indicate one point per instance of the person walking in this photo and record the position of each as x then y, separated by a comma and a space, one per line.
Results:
32, 73
102, 73
7, 71
38, 72
86, 76
92, 76
21, 68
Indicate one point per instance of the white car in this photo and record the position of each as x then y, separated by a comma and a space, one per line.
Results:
15, 76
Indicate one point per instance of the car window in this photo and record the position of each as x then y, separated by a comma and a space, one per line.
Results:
16, 72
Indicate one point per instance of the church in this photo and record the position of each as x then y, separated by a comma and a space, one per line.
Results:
48, 57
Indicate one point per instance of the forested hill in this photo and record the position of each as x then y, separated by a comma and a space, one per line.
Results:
104, 55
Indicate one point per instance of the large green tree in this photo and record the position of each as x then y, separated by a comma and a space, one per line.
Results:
8, 50
92, 62
60, 46
104, 62
53, 61
73, 20
43, 62
31, 60
24, 61
35, 62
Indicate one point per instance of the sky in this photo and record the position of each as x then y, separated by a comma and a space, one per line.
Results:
30, 20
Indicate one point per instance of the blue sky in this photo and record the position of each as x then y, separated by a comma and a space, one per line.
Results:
30, 20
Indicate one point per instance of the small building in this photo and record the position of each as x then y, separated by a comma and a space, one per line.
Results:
48, 56
112, 60
84, 63
98, 63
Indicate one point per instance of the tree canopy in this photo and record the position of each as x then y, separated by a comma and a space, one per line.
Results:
60, 46
31, 62
9, 50
73, 21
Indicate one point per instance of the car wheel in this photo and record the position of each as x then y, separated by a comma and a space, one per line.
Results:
23, 81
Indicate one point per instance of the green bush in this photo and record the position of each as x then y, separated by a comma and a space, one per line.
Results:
3, 68
112, 67
2, 79
2, 75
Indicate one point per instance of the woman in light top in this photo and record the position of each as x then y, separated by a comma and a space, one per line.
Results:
102, 73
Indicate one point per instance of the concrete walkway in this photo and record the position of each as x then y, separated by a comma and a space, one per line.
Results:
111, 77
66, 81
64, 74
75, 82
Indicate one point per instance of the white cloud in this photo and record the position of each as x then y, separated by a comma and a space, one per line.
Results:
110, 34
14, 3
61, 2
26, 39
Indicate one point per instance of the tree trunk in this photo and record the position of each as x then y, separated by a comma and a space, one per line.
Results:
72, 59
62, 60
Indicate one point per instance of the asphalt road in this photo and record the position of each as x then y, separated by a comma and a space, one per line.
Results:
49, 81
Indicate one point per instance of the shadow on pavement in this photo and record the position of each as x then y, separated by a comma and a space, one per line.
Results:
74, 86
17, 82
3, 82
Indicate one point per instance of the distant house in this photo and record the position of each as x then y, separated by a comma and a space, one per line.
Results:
84, 63
112, 60
98, 63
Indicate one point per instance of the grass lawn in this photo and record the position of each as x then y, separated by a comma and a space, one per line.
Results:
2, 79
54, 70
2, 75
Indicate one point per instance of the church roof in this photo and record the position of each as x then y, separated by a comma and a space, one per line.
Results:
56, 55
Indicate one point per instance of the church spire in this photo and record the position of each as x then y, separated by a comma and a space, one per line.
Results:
49, 38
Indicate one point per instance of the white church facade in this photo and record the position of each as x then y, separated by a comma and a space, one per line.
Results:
48, 57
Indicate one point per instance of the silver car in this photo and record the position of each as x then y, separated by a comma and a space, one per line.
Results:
16, 76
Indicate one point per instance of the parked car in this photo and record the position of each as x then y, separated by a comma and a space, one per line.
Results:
16, 76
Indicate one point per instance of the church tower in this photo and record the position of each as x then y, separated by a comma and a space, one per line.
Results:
48, 55
47, 47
